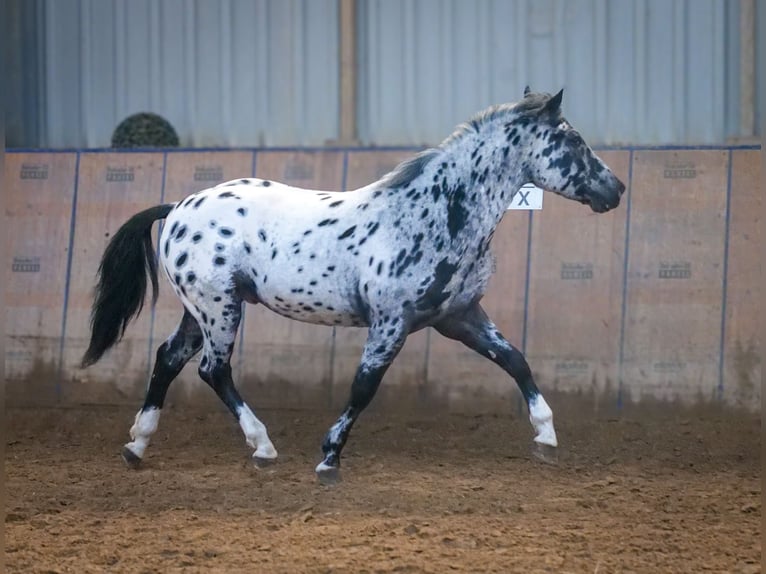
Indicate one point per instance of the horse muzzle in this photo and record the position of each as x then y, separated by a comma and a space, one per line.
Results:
603, 201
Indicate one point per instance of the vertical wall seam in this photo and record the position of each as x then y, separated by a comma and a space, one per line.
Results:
525, 320
241, 359
333, 342
157, 256
724, 279
526, 285
624, 305
72, 227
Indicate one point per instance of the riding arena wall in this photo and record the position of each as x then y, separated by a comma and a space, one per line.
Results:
654, 301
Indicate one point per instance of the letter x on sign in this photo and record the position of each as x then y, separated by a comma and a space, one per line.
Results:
528, 197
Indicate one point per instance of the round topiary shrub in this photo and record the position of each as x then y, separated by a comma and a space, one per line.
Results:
144, 129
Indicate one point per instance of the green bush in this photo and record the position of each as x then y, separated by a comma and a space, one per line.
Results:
144, 130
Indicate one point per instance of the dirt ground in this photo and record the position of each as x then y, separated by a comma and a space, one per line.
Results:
648, 491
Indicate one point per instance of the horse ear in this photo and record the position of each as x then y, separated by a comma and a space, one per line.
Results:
527, 91
554, 104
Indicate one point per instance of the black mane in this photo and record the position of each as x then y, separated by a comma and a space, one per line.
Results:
410, 169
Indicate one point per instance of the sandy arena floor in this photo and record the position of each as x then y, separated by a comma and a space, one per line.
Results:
421, 493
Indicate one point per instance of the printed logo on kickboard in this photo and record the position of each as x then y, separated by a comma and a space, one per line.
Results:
680, 170
528, 197
572, 271
208, 173
33, 171
25, 265
19, 356
120, 174
668, 367
675, 270
572, 367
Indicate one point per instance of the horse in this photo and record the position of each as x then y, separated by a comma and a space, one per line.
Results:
409, 251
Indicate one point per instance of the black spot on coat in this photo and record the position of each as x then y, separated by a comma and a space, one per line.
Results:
348, 233
435, 294
457, 214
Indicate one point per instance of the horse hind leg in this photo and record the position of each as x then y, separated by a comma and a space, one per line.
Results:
172, 355
219, 328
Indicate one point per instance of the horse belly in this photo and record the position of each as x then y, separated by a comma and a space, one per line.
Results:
310, 306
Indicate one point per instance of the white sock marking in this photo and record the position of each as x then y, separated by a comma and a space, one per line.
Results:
541, 417
142, 430
256, 435
321, 467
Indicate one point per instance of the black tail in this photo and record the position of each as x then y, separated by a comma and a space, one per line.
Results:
121, 287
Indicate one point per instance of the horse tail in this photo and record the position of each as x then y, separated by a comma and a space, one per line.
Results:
121, 286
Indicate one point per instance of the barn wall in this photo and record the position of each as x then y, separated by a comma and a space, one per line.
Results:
266, 72
224, 73
657, 299
639, 72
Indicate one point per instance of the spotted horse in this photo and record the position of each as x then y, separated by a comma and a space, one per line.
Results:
409, 251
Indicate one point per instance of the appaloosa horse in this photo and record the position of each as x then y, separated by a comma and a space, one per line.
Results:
409, 251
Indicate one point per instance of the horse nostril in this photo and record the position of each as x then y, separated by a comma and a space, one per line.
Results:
620, 187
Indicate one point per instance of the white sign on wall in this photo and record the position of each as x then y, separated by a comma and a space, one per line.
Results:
529, 196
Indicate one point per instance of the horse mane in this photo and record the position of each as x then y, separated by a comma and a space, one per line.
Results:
410, 169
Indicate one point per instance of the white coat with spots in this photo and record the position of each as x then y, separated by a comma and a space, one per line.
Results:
408, 251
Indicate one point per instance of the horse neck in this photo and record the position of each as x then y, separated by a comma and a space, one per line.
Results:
483, 172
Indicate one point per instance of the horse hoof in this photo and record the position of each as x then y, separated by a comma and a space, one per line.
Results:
328, 475
263, 463
546, 453
130, 458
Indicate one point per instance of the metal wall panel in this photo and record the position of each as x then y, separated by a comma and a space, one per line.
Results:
642, 72
266, 72
226, 73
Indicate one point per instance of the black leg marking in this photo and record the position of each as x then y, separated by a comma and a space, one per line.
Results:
172, 355
215, 370
379, 352
215, 366
475, 330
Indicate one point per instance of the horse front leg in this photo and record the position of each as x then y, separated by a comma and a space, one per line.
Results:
474, 329
383, 344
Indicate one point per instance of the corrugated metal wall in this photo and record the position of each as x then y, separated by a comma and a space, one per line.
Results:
225, 73
266, 72
644, 71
